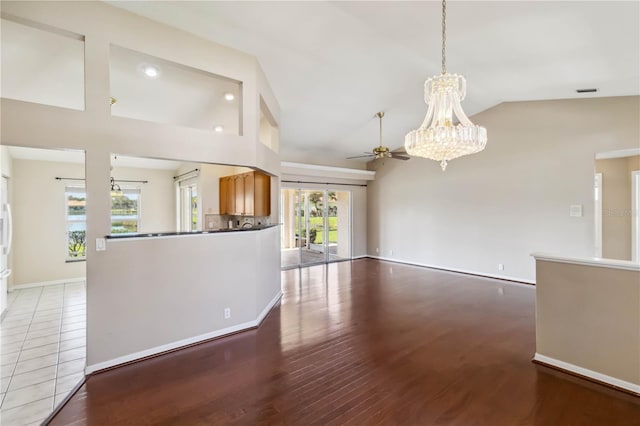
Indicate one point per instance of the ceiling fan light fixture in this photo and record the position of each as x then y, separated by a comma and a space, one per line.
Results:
439, 138
381, 151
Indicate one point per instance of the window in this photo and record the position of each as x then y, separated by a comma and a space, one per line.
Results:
125, 211
76, 206
188, 205
125, 217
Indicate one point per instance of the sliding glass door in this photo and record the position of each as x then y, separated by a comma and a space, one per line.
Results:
316, 226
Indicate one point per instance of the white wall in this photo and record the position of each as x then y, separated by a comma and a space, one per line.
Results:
158, 196
512, 199
40, 218
194, 279
616, 205
39, 222
6, 169
99, 134
6, 162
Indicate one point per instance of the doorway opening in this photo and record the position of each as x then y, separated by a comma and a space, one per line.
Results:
635, 215
316, 226
597, 196
43, 328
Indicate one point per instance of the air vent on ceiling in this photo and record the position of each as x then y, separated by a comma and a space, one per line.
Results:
586, 90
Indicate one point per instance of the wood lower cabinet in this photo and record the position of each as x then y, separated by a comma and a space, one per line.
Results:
247, 194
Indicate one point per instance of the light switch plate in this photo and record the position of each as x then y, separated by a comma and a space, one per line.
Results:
101, 244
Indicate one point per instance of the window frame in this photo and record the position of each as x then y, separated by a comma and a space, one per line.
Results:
185, 213
71, 189
125, 189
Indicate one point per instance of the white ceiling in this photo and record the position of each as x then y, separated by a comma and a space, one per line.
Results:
333, 65
71, 156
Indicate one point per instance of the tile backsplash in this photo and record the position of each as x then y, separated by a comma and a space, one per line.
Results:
217, 221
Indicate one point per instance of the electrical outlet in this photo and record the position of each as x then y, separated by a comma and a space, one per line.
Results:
391, 252
227, 313
500, 266
377, 250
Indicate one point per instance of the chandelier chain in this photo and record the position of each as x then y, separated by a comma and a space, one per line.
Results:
446, 132
444, 36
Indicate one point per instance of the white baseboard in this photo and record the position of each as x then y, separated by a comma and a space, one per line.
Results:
360, 257
268, 308
46, 283
622, 384
184, 342
462, 271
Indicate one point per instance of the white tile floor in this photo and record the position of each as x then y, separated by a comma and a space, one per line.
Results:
42, 351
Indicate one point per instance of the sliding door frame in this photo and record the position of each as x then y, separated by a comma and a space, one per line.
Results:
300, 191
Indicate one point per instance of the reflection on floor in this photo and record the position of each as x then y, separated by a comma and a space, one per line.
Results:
362, 343
43, 350
291, 257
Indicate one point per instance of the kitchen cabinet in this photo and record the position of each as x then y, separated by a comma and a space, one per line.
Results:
227, 195
238, 195
246, 194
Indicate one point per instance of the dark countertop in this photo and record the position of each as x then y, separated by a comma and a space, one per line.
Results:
165, 234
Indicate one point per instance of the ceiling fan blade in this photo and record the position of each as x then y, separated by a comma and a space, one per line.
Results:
361, 156
399, 157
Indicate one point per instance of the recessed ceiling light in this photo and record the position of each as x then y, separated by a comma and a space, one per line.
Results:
586, 90
229, 96
218, 129
150, 71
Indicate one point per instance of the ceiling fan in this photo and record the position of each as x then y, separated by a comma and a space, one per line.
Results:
381, 151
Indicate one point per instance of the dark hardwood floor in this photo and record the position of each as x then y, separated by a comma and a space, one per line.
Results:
362, 343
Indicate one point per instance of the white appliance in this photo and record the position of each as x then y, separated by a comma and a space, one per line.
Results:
6, 234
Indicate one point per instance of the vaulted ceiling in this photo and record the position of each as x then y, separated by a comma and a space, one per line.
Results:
333, 65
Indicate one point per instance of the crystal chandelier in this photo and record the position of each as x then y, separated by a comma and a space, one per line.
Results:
438, 138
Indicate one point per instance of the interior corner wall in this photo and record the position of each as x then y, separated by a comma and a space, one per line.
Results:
616, 205
512, 199
39, 222
99, 134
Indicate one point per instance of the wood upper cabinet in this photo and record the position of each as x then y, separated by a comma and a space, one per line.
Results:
238, 195
261, 194
227, 195
247, 194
